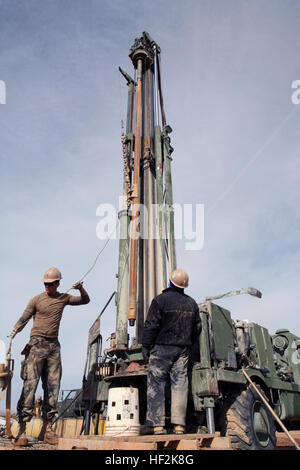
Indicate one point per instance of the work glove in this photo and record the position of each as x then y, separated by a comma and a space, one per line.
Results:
13, 333
146, 353
77, 285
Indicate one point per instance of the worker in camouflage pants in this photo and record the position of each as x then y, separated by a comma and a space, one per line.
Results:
42, 361
42, 354
171, 328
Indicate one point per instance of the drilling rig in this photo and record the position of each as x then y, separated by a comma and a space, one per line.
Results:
220, 396
146, 243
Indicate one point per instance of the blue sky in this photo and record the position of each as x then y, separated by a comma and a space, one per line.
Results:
227, 72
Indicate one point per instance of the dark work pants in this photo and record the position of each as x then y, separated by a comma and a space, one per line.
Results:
167, 361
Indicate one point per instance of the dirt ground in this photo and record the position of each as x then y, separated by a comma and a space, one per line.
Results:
6, 444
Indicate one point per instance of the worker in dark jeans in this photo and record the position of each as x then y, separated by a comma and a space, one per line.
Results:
172, 326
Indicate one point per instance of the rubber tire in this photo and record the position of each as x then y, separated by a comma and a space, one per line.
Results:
239, 425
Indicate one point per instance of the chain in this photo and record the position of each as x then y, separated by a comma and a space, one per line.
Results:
126, 168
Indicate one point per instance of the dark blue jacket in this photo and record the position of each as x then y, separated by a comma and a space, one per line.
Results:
173, 319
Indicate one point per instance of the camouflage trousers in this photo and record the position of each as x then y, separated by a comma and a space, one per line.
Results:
42, 361
167, 361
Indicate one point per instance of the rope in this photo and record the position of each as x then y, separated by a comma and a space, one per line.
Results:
97, 257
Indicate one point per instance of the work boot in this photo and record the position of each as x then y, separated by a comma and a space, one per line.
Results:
50, 436
159, 430
202, 430
147, 430
21, 439
179, 429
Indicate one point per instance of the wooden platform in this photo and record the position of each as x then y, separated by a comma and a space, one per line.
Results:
163, 442
166, 441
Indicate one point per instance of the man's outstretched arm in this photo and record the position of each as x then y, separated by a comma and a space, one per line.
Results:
84, 299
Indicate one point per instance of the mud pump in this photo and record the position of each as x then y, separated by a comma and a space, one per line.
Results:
229, 353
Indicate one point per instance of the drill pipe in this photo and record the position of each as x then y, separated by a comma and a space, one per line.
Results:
161, 258
135, 200
170, 223
161, 271
149, 196
167, 150
123, 268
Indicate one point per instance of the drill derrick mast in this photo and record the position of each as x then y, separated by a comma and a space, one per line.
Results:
147, 245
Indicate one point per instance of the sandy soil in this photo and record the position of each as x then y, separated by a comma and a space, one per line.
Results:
6, 444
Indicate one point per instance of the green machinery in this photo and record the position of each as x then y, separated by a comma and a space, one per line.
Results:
220, 397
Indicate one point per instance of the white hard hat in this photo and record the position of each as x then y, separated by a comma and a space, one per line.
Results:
51, 275
179, 278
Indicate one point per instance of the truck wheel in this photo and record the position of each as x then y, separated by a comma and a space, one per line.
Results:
249, 424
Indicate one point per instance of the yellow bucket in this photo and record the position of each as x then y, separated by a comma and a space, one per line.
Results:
66, 427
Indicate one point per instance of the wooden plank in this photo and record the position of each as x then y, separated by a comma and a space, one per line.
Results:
153, 438
92, 444
192, 444
164, 441
284, 441
219, 443
108, 445
65, 443
202, 442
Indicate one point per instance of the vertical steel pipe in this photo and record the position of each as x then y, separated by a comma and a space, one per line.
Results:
149, 195
161, 256
123, 265
170, 220
123, 279
210, 420
87, 422
132, 310
167, 150
156, 90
